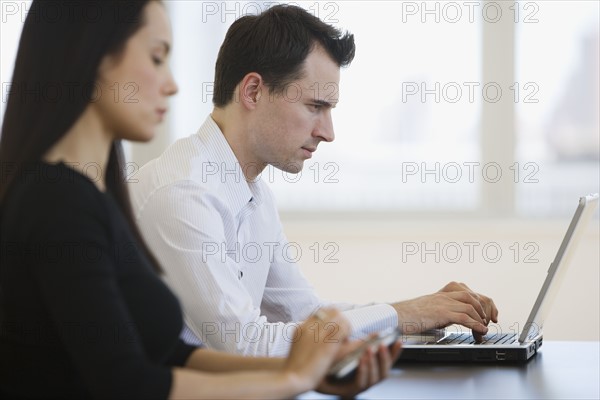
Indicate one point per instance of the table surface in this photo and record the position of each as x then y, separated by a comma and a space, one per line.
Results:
560, 370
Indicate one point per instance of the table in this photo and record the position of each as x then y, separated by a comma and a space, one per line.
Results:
560, 370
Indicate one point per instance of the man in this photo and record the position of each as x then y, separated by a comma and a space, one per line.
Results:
211, 220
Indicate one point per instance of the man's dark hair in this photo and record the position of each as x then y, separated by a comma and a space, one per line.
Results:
275, 44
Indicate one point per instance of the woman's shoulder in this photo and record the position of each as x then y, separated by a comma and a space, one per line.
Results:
52, 192
42, 181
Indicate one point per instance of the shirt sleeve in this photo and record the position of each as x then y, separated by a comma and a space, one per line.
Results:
182, 219
177, 222
74, 270
290, 297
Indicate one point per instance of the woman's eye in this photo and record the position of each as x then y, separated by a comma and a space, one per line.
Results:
157, 61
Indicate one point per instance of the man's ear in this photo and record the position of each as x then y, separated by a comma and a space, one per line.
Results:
251, 90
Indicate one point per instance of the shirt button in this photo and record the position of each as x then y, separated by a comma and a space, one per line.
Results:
240, 275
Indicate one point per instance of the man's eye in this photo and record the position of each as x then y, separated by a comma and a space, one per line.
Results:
316, 107
157, 61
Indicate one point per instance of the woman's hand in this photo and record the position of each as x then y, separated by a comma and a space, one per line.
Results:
317, 344
373, 367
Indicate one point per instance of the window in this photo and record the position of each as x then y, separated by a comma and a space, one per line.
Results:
476, 108
557, 110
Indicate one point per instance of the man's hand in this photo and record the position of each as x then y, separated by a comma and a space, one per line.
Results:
455, 303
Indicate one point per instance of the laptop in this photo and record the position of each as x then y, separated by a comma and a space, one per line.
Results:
498, 347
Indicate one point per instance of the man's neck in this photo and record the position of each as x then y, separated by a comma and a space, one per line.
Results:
234, 133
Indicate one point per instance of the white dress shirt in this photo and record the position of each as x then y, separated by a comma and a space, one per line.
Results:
221, 245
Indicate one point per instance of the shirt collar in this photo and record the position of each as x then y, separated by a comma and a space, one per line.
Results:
225, 167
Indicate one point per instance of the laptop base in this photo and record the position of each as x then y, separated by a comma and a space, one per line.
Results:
471, 353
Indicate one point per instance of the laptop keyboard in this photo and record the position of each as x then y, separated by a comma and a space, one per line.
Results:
467, 338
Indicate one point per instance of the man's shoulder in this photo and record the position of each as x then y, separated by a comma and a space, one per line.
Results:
185, 159
183, 162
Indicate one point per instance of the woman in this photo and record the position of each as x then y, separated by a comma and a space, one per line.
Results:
83, 312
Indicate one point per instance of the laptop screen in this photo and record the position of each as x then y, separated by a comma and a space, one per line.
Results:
556, 272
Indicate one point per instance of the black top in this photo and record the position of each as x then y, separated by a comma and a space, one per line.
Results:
82, 313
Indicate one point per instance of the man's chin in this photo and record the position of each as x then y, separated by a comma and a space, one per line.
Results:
291, 167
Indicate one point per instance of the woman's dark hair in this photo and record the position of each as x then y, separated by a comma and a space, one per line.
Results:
275, 44
54, 80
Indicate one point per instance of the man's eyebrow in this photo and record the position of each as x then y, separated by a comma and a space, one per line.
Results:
325, 103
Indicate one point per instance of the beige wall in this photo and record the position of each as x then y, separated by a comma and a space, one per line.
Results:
370, 267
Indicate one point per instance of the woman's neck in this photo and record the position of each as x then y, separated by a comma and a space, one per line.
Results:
85, 147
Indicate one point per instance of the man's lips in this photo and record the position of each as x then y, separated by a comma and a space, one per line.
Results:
308, 151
